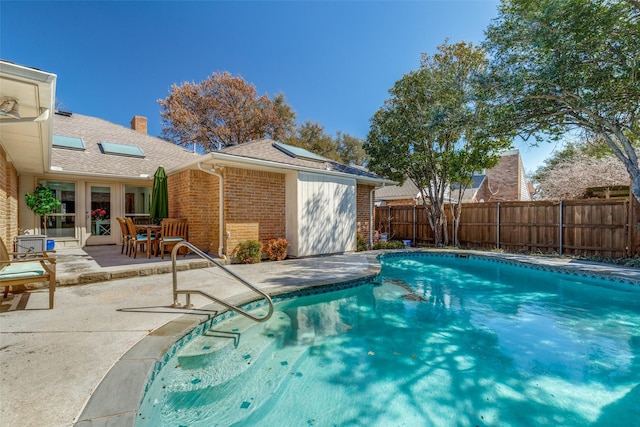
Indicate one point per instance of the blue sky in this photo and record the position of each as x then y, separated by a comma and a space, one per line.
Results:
333, 60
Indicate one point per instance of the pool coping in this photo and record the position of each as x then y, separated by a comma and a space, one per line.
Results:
118, 397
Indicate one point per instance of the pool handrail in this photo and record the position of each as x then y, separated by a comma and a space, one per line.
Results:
188, 292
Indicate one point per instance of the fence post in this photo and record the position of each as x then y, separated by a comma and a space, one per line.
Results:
560, 226
415, 243
498, 228
389, 223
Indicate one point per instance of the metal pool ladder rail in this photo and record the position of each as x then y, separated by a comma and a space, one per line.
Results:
188, 292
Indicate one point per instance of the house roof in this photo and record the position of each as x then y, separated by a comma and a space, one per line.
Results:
269, 154
93, 161
409, 190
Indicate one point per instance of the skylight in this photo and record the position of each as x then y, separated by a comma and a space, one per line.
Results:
299, 153
120, 149
68, 142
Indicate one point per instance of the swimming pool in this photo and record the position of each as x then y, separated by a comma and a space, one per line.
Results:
436, 340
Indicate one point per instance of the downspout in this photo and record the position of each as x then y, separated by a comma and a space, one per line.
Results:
371, 214
213, 172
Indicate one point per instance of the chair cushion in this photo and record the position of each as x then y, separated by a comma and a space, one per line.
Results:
172, 239
141, 237
22, 270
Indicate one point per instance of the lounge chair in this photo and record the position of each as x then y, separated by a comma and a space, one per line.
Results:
20, 268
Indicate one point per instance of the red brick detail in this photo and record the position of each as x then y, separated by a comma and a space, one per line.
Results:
363, 194
503, 181
139, 123
193, 195
254, 206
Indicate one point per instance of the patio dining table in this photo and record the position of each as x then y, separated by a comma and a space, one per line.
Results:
151, 230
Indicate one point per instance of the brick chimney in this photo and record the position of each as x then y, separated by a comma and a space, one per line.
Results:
139, 123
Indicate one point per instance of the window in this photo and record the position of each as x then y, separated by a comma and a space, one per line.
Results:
137, 201
299, 153
62, 223
68, 142
121, 149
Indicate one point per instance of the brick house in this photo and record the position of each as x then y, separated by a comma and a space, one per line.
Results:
259, 190
504, 182
263, 190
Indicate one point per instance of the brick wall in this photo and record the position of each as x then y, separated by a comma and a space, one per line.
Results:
254, 206
193, 195
362, 209
8, 200
503, 181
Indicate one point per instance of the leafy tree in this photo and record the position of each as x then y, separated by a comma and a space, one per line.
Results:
42, 202
568, 64
436, 129
350, 149
311, 136
222, 110
287, 126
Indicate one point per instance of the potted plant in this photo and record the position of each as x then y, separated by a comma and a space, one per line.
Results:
42, 202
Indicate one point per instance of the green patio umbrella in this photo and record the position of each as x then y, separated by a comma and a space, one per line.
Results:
159, 195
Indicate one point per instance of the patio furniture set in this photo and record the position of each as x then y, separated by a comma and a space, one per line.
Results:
153, 238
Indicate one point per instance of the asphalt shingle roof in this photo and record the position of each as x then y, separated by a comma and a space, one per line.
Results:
265, 149
92, 130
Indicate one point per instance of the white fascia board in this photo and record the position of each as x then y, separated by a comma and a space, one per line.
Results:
55, 172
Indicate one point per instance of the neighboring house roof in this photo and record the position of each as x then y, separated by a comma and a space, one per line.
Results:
92, 161
408, 190
469, 194
269, 154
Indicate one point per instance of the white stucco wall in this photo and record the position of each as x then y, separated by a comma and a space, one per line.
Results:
325, 208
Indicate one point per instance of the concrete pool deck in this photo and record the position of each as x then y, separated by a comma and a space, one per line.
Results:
54, 361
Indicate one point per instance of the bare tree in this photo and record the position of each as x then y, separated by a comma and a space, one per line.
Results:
570, 178
222, 110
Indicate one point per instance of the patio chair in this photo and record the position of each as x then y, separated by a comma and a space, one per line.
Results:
135, 239
125, 234
173, 231
26, 267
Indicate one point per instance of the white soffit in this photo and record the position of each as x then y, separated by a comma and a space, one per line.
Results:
27, 142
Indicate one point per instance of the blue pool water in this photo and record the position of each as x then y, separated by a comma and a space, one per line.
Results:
436, 341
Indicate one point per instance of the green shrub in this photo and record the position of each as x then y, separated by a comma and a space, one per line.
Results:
249, 252
276, 249
393, 244
361, 243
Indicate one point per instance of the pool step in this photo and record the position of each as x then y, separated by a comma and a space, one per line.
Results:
233, 339
250, 383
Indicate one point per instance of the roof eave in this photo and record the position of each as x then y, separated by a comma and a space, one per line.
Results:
223, 159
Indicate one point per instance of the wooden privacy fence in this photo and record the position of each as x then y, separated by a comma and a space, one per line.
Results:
606, 228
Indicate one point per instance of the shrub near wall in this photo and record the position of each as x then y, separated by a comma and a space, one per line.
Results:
249, 252
276, 249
